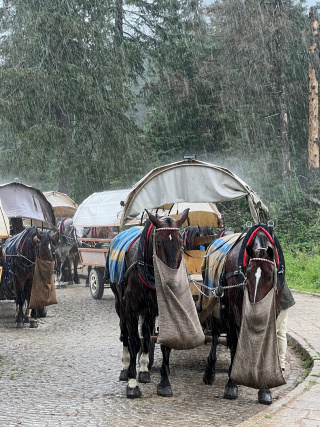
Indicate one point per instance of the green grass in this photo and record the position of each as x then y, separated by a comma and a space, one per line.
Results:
303, 270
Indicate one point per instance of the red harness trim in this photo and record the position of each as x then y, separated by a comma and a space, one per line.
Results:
136, 238
21, 249
145, 283
250, 240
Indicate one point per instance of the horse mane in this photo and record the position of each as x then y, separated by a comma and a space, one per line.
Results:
145, 264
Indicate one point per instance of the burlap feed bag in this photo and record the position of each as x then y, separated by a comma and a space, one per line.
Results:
256, 363
179, 325
43, 292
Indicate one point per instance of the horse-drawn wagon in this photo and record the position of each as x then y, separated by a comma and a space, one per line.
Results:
99, 216
155, 256
29, 252
66, 253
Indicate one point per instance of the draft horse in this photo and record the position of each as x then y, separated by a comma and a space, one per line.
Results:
135, 297
255, 261
66, 252
21, 252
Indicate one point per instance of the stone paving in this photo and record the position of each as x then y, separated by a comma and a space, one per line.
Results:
65, 373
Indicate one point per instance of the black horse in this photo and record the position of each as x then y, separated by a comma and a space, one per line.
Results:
66, 253
135, 297
22, 250
251, 262
191, 232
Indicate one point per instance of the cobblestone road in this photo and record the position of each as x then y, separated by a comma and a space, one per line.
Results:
65, 373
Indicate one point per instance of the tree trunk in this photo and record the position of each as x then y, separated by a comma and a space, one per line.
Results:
313, 142
282, 97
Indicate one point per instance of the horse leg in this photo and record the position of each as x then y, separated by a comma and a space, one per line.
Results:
164, 386
32, 313
231, 388
264, 396
147, 328
210, 372
58, 270
132, 320
75, 269
20, 303
87, 278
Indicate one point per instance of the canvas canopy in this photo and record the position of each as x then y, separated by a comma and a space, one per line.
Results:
63, 205
189, 181
201, 214
101, 209
4, 223
22, 201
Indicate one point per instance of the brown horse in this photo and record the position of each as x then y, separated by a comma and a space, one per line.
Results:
135, 297
251, 262
22, 251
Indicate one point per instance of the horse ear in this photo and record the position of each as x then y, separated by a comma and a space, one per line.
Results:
270, 252
55, 236
183, 218
155, 221
35, 240
250, 252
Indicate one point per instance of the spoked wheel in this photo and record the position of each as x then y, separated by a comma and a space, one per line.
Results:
96, 283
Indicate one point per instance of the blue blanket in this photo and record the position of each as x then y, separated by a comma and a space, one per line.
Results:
216, 257
117, 251
10, 249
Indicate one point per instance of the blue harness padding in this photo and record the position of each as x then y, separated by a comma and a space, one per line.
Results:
216, 257
117, 251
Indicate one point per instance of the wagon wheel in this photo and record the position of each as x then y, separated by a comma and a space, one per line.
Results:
96, 283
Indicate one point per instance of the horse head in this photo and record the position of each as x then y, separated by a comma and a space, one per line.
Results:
168, 239
261, 273
44, 245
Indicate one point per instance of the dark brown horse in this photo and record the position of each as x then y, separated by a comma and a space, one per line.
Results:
135, 297
251, 262
21, 252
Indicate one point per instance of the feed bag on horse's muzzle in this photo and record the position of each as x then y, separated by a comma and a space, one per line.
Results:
43, 291
179, 325
256, 363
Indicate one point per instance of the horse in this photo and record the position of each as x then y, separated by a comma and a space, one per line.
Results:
191, 232
22, 250
135, 297
66, 252
259, 251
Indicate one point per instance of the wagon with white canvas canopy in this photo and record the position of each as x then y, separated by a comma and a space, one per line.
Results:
139, 266
97, 212
63, 206
171, 188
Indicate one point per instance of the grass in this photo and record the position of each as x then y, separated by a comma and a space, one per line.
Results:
303, 271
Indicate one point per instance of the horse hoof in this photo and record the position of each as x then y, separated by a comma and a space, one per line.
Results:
33, 324
231, 392
164, 391
77, 281
264, 396
123, 375
57, 286
87, 285
208, 379
144, 377
133, 393
19, 324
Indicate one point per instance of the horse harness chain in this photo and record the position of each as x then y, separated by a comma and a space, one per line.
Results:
219, 295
